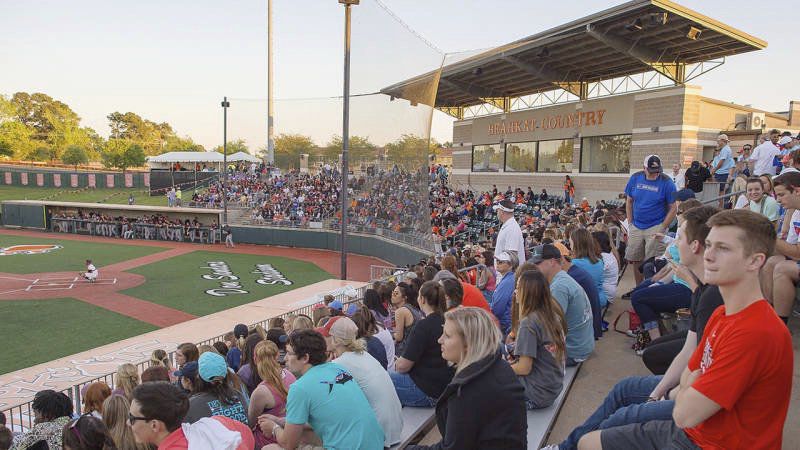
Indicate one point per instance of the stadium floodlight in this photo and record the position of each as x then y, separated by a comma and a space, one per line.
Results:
345, 133
225, 104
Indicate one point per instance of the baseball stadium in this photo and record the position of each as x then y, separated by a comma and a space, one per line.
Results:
592, 254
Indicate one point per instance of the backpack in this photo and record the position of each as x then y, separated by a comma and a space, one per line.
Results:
635, 330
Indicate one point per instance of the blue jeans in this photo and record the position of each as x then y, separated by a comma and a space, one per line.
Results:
408, 392
625, 404
649, 302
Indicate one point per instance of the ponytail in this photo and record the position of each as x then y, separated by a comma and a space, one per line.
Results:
434, 296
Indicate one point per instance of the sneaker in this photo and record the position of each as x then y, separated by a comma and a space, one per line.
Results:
550, 447
640, 352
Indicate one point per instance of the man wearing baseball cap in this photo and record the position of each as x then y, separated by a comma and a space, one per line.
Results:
650, 208
723, 161
510, 236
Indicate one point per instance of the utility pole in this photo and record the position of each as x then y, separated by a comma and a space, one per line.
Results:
345, 131
270, 101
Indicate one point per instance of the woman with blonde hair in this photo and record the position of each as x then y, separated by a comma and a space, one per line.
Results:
125, 380
159, 357
483, 382
96, 393
302, 322
115, 416
540, 348
269, 397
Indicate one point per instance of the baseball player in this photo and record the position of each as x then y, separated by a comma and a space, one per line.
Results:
91, 272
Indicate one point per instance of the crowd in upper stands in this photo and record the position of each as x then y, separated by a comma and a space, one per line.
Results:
485, 329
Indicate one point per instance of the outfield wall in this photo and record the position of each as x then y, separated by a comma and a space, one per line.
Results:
386, 249
66, 179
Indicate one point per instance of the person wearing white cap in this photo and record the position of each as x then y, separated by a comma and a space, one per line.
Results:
351, 353
650, 208
723, 161
510, 236
764, 155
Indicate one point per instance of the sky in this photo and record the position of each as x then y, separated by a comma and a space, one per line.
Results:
173, 61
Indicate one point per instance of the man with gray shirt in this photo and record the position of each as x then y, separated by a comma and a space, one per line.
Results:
573, 300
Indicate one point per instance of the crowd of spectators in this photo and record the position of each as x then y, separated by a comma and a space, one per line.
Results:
484, 329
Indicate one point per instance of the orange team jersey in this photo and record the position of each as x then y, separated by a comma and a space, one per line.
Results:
474, 297
746, 364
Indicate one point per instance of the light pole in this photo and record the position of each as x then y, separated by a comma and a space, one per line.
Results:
345, 130
225, 105
270, 101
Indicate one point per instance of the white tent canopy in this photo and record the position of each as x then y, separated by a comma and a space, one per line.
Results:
183, 157
242, 156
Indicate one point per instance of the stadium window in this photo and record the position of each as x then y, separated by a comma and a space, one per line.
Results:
487, 158
555, 156
606, 154
521, 157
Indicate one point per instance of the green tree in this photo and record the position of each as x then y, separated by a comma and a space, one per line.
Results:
238, 145
74, 155
289, 147
179, 144
133, 157
360, 148
5, 149
411, 150
151, 136
40, 153
42, 113
18, 137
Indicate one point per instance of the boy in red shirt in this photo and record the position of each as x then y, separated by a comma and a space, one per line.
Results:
735, 392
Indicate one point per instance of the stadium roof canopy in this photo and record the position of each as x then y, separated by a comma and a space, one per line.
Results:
634, 37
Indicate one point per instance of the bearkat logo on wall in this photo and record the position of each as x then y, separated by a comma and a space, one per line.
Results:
32, 249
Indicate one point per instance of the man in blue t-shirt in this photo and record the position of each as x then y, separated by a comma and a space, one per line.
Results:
573, 301
326, 397
650, 208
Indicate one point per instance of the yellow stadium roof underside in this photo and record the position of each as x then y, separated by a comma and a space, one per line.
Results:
635, 37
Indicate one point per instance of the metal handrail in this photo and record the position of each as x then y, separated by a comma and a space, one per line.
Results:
20, 417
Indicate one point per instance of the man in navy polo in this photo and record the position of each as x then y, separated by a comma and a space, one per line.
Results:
650, 208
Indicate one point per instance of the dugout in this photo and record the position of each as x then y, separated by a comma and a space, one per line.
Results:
593, 97
37, 213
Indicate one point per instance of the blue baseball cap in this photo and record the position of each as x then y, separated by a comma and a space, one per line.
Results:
336, 304
211, 366
683, 195
189, 370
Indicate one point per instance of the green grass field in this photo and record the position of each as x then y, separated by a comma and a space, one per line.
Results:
69, 258
178, 283
50, 329
113, 195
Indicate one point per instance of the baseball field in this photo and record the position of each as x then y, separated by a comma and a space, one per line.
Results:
49, 311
